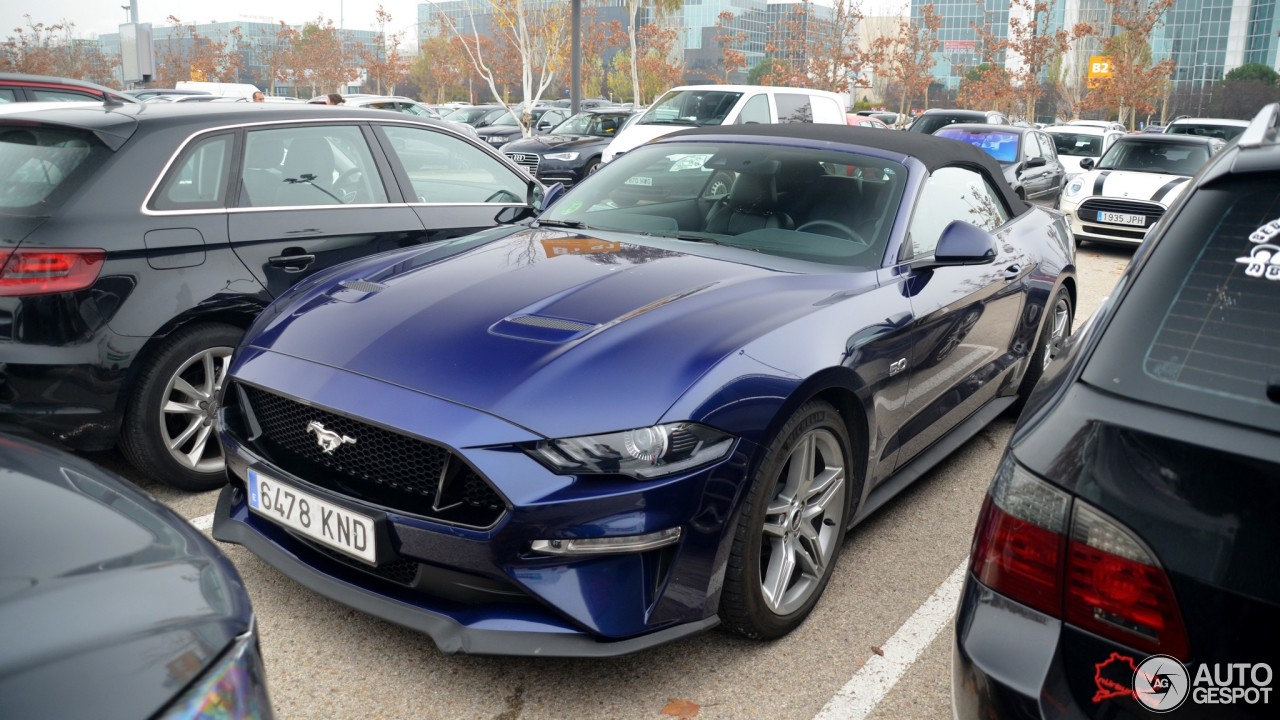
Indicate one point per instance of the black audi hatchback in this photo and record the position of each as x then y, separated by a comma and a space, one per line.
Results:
1124, 559
137, 242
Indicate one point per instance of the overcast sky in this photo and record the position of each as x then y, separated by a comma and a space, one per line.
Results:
92, 17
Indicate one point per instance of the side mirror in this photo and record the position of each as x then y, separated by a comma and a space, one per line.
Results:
1036, 162
1086, 164
540, 199
962, 244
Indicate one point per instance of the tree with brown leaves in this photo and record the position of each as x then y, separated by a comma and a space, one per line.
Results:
40, 49
320, 59
1136, 83
385, 66
732, 56
1035, 48
907, 57
189, 55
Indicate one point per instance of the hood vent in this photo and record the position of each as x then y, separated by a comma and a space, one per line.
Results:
541, 328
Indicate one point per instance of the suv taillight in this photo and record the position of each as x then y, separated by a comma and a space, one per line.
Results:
39, 271
1081, 566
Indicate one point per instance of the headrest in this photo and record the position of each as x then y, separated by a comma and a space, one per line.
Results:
753, 191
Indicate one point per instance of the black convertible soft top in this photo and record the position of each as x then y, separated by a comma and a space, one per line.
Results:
933, 152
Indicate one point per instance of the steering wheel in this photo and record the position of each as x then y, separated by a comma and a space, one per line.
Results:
845, 232
503, 196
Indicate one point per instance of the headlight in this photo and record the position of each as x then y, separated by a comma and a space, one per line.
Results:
235, 687
497, 139
561, 156
1074, 187
644, 453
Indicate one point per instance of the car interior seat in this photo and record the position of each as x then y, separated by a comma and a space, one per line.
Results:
752, 204
308, 173
263, 170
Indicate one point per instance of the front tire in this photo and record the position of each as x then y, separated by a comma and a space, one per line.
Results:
791, 527
169, 431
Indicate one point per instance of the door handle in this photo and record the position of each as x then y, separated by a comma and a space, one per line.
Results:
1012, 272
291, 263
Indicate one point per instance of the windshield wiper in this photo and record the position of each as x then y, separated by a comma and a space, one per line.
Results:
697, 238
676, 121
574, 224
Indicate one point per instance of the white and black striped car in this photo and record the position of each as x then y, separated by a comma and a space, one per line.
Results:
1133, 184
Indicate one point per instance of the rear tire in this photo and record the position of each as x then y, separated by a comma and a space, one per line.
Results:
1053, 334
169, 431
791, 527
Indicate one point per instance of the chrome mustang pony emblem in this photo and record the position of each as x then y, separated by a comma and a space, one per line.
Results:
328, 440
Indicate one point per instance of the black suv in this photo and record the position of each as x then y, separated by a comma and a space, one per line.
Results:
1124, 559
138, 242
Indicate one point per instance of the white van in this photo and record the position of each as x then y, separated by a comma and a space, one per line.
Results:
700, 105
244, 90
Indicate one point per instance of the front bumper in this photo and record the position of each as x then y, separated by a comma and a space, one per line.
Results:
482, 589
1086, 226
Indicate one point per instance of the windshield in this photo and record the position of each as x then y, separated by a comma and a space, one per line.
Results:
820, 205
1077, 144
999, 144
1135, 155
589, 123
692, 108
39, 166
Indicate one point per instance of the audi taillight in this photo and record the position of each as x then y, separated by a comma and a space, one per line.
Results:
1065, 558
40, 271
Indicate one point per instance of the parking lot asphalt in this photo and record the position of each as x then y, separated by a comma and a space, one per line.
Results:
325, 660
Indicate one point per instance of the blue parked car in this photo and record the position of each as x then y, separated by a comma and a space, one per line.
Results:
655, 409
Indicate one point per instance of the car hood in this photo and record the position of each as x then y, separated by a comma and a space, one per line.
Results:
541, 319
1156, 187
106, 593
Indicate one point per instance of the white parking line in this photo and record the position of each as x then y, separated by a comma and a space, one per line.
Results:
873, 681
204, 522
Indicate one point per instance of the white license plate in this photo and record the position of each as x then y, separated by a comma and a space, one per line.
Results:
1122, 219
639, 180
324, 522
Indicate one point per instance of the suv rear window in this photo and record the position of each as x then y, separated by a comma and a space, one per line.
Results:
40, 166
1197, 331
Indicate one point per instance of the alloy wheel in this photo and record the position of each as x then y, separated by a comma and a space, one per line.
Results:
190, 408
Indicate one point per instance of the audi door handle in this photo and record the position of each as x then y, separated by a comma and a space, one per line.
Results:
292, 263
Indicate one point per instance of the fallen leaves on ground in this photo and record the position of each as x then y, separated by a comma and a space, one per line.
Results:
681, 708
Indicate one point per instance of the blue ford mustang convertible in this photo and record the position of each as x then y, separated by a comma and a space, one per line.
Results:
656, 408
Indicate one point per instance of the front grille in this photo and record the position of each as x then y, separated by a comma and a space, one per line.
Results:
382, 467
1090, 208
528, 161
399, 571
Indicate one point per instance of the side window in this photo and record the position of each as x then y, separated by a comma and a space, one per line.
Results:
8, 95
1046, 146
755, 111
826, 109
445, 169
793, 108
198, 180
950, 194
312, 165
47, 95
1031, 146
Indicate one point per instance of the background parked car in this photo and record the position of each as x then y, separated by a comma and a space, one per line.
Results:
200, 215
1026, 155
477, 116
114, 605
702, 105
15, 87
572, 150
933, 119
1077, 142
866, 121
756, 365
1132, 186
146, 93
1219, 128
1123, 557
506, 128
